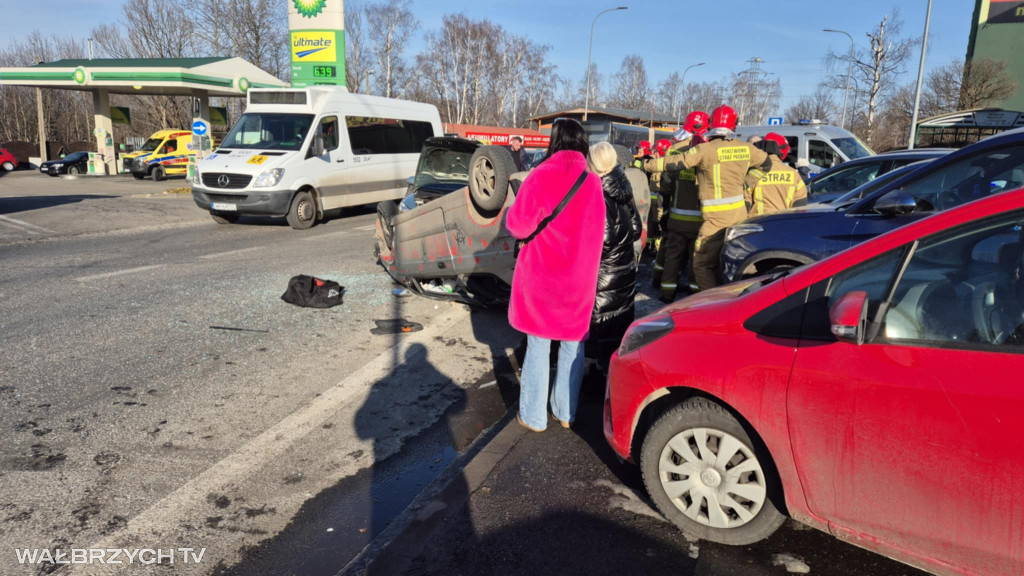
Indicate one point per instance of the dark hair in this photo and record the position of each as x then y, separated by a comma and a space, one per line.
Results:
568, 134
517, 137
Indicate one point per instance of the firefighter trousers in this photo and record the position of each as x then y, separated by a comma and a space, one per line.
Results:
677, 247
707, 259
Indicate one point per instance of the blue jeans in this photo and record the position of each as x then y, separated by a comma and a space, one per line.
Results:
533, 390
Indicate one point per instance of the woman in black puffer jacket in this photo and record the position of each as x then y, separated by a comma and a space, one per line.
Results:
616, 277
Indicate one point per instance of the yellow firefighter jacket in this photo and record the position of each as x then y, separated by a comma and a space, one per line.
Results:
681, 198
774, 190
721, 167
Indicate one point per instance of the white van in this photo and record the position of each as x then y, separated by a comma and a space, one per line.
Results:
301, 152
815, 146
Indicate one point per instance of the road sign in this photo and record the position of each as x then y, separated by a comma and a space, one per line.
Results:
200, 127
775, 121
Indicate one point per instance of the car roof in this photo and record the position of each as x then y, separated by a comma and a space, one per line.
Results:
997, 141
917, 152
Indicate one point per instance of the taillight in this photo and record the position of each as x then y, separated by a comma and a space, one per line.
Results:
645, 332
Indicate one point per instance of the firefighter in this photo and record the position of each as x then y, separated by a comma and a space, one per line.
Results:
779, 188
721, 166
645, 157
683, 217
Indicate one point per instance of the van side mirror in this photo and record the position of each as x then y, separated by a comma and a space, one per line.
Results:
895, 203
317, 146
849, 317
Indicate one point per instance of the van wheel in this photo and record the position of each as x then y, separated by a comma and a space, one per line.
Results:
138, 176
222, 218
489, 171
158, 174
707, 477
386, 211
302, 214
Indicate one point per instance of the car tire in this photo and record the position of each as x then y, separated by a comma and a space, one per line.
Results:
386, 211
73, 171
489, 170
159, 174
687, 437
302, 213
223, 218
8, 166
138, 176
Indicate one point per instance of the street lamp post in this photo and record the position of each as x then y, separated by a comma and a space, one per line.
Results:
586, 103
849, 72
682, 84
368, 74
920, 77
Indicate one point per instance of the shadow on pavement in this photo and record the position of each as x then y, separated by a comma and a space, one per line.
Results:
12, 204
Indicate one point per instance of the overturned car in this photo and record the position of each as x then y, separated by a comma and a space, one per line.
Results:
447, 239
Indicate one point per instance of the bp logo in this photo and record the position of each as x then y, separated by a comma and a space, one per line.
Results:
310, 8
243, 84
80, 75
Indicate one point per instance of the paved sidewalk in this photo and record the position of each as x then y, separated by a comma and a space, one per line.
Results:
561, 503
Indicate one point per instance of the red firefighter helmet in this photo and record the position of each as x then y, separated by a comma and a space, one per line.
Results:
781, 141
696, 123
663, 145
643, 148
723, 117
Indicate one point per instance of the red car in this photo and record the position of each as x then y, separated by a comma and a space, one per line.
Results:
7, 160
876, 395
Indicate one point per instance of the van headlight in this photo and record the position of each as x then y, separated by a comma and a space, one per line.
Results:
195, 175
645, 332
269, 178
741, 230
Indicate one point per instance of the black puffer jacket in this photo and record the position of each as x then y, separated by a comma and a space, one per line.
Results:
616, 278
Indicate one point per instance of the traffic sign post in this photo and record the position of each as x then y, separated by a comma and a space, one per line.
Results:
200, 127
775, 121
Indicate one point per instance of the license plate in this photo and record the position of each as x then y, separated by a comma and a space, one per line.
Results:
224, 207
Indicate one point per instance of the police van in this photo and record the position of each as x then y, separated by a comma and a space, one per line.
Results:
814, 146
300, 153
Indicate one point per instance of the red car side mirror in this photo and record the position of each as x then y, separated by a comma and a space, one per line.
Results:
849, 317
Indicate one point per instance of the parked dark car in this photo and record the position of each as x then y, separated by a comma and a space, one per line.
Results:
794, 237
833, 183
73, 164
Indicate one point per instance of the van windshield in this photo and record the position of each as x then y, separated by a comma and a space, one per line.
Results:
151, 144
269, 131
853, 148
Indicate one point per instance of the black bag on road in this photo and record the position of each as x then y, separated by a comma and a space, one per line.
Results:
310, 292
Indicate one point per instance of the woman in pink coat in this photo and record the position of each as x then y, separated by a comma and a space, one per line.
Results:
555, 281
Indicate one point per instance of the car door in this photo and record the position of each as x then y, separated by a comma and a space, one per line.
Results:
330, 166
916, 440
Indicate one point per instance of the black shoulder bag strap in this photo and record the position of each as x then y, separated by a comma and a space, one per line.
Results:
558, 209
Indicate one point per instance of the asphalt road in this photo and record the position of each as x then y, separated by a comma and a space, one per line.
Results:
155, 392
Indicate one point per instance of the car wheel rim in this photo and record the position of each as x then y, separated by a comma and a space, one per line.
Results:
305, 210
712, 478
484, 176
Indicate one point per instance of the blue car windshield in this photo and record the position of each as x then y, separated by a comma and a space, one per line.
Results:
883, 180
853, 148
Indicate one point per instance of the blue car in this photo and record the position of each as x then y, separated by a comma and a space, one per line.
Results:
835, 182
774, 242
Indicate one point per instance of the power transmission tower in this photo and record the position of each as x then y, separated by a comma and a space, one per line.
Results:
753, 78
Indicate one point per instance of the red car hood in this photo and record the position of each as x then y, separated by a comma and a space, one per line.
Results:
716, 297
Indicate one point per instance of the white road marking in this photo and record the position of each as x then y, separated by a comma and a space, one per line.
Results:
25, 226
178, 508
487, 385
367, 228
231, 252
118, 273
321, 236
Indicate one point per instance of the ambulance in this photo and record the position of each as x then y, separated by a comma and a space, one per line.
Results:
165, 153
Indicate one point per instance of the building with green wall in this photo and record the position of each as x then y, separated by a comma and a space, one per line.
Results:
997, 32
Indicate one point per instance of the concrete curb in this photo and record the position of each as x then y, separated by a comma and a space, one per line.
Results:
394, 549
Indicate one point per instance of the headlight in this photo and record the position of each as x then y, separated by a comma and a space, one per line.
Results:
58, 165
645, 332
269, 178
741, 230
195, 175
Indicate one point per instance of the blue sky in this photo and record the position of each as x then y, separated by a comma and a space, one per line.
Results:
670, 35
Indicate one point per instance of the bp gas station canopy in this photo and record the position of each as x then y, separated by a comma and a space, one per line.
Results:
200, 78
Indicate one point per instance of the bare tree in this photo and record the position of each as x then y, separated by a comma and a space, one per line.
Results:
597, 93
357, 58
819, 105
630, 88
985, 82
389, 27
669, 98
704, 96
879, 65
